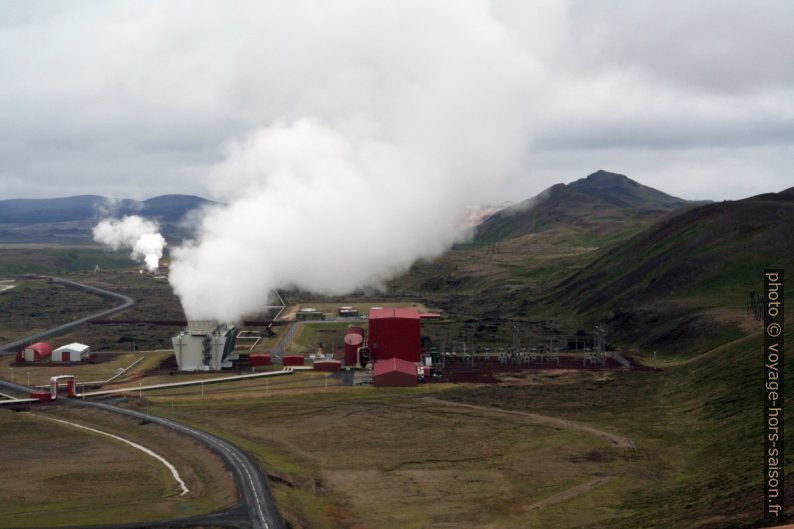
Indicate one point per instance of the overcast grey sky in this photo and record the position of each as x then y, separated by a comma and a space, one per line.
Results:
136, 99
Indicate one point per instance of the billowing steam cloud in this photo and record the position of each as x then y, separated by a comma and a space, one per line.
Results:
381, 150
136, 233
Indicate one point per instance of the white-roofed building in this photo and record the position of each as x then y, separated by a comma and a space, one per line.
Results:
73, 352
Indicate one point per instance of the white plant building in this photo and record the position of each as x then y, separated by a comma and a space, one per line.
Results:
205, 345
73, 352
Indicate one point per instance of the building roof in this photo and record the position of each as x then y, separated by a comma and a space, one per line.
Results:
42, 348
390, 312
78, 347
390, 365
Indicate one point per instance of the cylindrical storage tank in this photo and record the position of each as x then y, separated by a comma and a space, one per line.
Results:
352, 342
292, 360
327, 365
259, 359
355, 330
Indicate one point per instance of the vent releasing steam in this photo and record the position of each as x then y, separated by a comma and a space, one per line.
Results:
136, 233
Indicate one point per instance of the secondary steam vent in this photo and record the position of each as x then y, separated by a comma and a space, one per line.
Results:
205, 345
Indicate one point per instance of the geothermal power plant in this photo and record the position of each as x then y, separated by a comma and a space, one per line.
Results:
205, 345
391, 347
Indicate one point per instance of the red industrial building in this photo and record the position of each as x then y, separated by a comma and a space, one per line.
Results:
395, 333
394, 372
37, 352
292, 360
327, 365
259, 359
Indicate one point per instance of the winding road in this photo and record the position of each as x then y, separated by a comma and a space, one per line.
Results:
256, 508
126, 302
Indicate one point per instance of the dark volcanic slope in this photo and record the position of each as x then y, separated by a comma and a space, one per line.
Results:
699, 251
669, 277
602, 204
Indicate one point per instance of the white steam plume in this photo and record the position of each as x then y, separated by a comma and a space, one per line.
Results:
415, 110
136, 233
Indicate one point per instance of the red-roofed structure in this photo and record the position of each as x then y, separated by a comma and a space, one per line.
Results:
327, 365
394, 372
394, 333
37, 352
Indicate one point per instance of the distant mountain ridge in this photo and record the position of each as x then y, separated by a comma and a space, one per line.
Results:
621, 191
86, 207
602, 204
71, 219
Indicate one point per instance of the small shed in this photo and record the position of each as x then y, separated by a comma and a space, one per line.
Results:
259, 359
73, 352
309, 314
328, 365
394, 372
37, 352
348, 312
292, 360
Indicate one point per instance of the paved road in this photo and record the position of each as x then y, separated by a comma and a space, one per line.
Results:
256, 509
254, 489
126, 302
281, 347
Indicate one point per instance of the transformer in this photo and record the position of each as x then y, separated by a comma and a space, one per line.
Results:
205, 345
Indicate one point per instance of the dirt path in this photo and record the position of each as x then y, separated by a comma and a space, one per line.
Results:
711, 351
555, 422
167, 464
573, 492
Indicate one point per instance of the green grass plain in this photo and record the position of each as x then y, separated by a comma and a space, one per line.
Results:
56, 475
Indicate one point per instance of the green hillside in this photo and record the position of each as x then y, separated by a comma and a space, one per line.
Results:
601, 207
696, 427
668, 287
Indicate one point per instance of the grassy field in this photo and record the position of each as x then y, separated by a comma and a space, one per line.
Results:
696, 426
365, 457
59, 475
328, 336
18, 259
